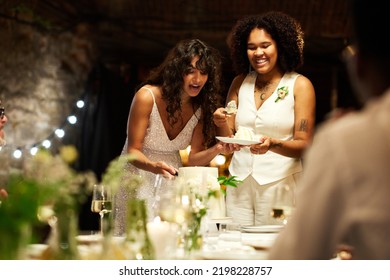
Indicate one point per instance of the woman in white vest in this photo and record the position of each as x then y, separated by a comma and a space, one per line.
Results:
273, 100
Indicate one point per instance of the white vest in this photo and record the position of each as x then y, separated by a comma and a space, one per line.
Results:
273, 119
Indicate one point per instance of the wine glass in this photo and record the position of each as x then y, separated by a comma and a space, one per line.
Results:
168, 205
101, 203
283, 204
173, 207
158, 185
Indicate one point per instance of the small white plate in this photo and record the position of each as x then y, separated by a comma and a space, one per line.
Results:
243, 253
35, 251
232, 140
89, 239
259, 241
221, 220
262, 229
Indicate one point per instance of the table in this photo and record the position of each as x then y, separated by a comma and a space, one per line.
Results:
251, 246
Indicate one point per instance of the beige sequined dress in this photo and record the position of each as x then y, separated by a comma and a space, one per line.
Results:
157, 147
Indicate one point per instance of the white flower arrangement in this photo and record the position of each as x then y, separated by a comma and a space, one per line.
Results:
55, 177
202, 190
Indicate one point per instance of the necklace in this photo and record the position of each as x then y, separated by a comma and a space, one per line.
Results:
263, 88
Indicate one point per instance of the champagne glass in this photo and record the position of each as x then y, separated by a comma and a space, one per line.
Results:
101, 203
283, 204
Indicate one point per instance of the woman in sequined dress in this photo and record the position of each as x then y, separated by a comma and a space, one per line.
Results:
171, 110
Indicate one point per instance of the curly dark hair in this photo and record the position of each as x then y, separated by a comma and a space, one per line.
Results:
169, 75
285, 30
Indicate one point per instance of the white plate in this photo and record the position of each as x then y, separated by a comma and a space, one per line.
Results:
267, 228
221, 220
236, 141
243, 253
89, 239
259, 241
35, 251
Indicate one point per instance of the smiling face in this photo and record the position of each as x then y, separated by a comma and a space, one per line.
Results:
194, 79
262, 51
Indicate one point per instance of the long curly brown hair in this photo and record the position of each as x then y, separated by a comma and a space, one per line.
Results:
285, 30
169, 75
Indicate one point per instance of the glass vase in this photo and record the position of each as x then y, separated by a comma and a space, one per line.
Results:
193, 234
62, 242
13, 241
193, 238
137, 243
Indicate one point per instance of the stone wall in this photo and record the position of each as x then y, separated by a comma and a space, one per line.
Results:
42, 75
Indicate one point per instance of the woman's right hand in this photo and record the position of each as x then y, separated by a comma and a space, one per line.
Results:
165, 169
220, 117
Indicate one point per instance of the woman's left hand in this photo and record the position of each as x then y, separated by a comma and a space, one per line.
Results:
262, 147
227, 148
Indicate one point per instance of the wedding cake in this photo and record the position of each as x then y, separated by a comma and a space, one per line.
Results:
207, 179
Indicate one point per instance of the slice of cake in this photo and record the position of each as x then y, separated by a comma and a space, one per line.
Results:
231, 108
244, 133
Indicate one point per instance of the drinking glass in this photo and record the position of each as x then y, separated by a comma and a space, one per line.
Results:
229, 236
283, 204
159, 187
172, 206
169, 205
101, 203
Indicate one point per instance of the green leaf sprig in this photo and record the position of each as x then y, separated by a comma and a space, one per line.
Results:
228, 181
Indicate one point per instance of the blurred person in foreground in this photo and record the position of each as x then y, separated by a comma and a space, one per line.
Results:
3, 121
345, 188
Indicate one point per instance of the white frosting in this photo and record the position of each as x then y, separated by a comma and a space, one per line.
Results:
231, 107
216, 205
244, 133
190, 172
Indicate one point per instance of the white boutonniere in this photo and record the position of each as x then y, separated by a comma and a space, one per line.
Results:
282, 92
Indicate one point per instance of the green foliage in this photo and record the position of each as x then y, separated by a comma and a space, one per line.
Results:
18, 214
228, 182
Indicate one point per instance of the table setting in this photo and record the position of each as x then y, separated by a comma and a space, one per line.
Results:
217, 245
189, 219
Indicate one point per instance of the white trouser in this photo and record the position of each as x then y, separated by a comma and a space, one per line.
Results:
250, 202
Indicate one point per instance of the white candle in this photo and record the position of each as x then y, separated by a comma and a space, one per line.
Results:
163, 236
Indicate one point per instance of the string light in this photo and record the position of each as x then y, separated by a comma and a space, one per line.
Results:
80, 104
72, 119
17, 153
46, 143
59, 132
33, 150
